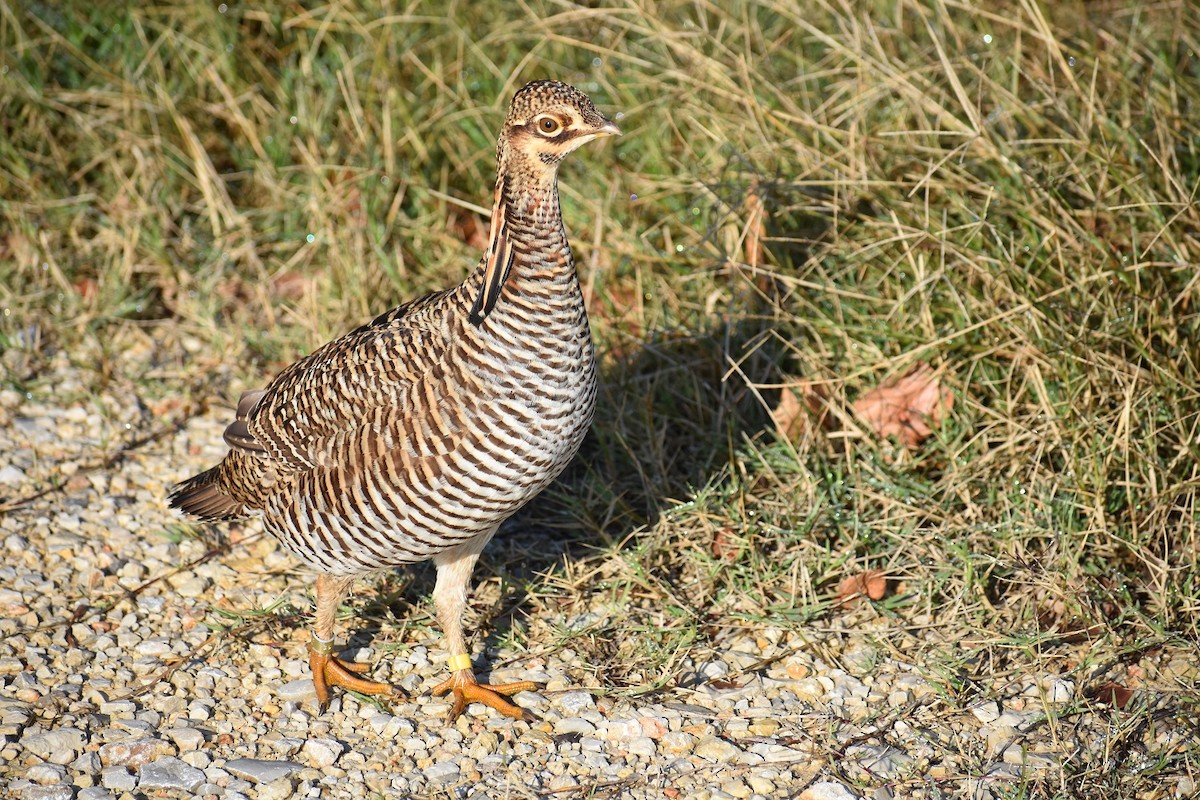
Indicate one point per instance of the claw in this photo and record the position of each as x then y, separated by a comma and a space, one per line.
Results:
466, 689
329, 671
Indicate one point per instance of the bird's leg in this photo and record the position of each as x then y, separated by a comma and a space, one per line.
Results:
454, 568
326, 669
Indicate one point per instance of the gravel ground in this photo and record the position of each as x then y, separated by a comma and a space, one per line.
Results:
114, 682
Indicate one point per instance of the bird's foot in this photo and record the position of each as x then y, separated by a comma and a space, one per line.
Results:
466, 689
330, 671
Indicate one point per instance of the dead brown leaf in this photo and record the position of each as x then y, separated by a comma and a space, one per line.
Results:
291, 285
1113, 694
872, 584
790, 419
725, 545
87, 287
803, 410
909, 408
467, 227
756, 229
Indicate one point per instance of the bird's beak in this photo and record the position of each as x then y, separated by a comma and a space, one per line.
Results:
609, 128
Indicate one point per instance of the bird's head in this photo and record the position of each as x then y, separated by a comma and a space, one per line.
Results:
547, 120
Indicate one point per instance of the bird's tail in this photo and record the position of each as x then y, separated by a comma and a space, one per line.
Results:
204, 496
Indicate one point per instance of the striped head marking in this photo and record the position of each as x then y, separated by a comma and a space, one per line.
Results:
548, 119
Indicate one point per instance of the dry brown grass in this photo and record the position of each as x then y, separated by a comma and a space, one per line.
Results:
1007, 192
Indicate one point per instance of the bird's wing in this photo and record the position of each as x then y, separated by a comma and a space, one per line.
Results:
295, 419
237, 434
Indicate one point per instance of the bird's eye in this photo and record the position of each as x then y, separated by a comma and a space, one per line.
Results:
548, 125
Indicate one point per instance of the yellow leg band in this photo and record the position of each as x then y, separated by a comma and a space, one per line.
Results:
459, 662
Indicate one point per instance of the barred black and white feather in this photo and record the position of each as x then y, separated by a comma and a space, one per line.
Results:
439, 419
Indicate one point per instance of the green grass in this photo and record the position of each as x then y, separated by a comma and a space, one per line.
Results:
1007, 192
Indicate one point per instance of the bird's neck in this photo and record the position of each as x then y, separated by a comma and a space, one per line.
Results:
528, 263
535, 227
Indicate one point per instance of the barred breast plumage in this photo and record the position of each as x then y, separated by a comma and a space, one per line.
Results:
414, 436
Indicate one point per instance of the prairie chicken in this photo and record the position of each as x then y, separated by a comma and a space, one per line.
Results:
415, 436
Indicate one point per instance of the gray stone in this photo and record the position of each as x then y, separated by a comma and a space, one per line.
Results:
773, 753
87, 763
986, 712
156, 647
169, 773
46, 774
136, 726
561, 783
678, 742
284, 745
622, 730
322, 753
575, 703
57, 792
389, 726
94, 793
117, 708
760, 784
641, 746
58, 746
278, 789
442, 773
573, 725
297, 690
827, 790
11, 476
261, 770
880, 760
1022, 757
998, 737
118, 779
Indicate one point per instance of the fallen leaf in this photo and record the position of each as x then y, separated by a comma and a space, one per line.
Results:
725, 545
909, 408
789, 416
1113, 694
872, 584
467, 227
803, 409
756, 229
86, 287
290, 285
